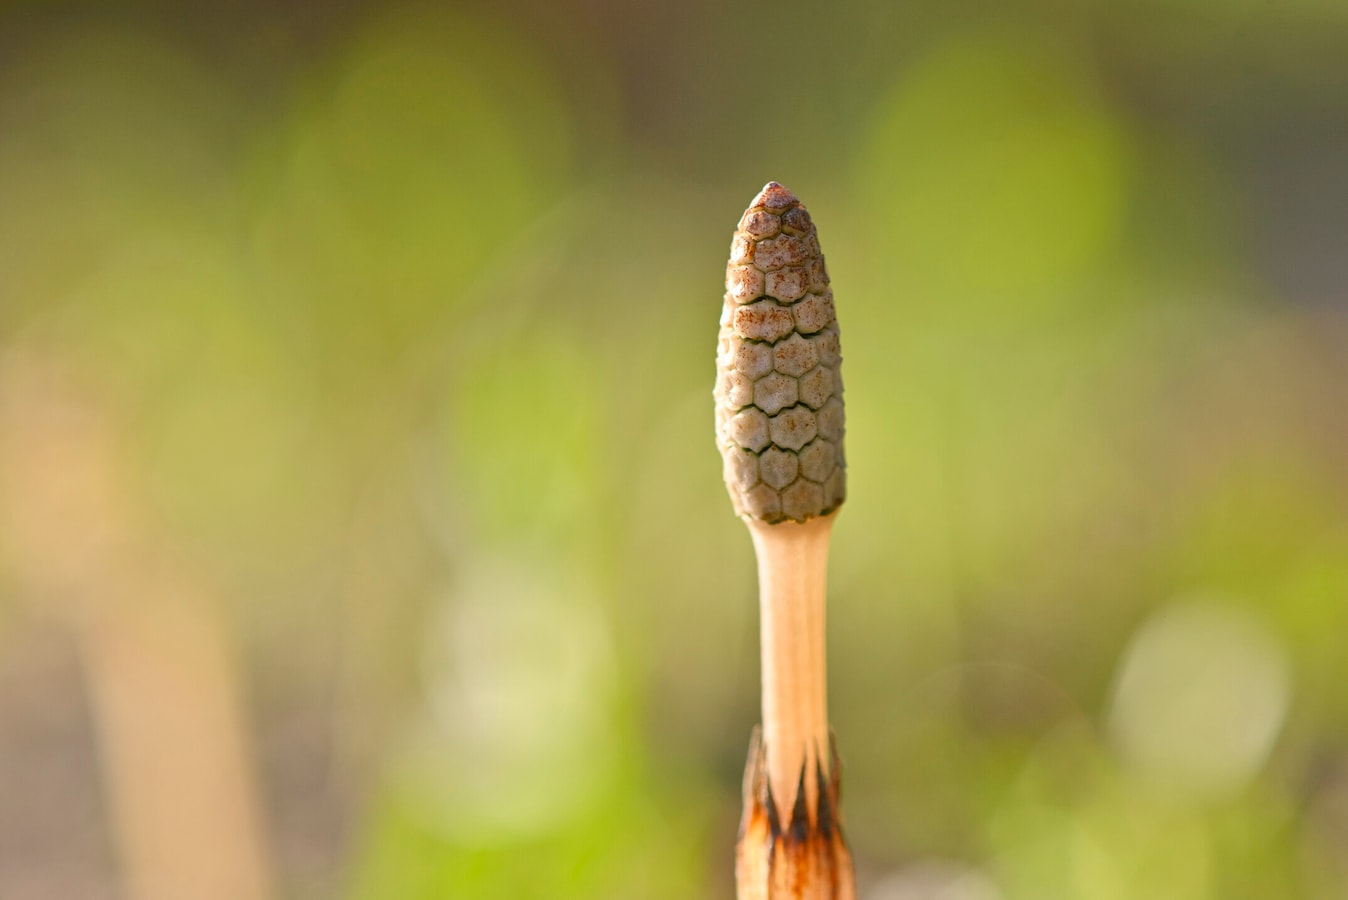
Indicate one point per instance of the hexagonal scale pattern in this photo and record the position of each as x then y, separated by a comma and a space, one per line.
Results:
779, 411
754, 360
741, 469
778, 468
744, 284
776, 392
801, 499
813, 313
762, 321
815, 388
748, 428
817, 460
793, 428
786, 285
794, 356
735, 389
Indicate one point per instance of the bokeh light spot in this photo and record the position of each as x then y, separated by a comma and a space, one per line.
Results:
519, 676
1200, 698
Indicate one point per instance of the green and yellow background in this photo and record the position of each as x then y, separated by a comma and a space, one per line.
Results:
391, 329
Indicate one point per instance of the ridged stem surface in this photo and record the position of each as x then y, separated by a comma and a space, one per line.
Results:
792, 573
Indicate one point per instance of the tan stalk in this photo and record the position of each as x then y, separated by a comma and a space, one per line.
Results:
792, 565
164, 688
779, 425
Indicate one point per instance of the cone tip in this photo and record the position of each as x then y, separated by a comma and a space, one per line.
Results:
774, 197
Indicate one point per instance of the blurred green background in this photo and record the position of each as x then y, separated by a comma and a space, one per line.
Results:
390, 330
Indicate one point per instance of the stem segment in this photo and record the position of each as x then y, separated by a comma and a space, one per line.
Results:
792, 573
791, 845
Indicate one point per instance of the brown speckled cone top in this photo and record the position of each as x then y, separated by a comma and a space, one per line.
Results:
779, 410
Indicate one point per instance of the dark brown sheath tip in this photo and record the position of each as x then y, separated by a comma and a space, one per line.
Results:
807, 859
